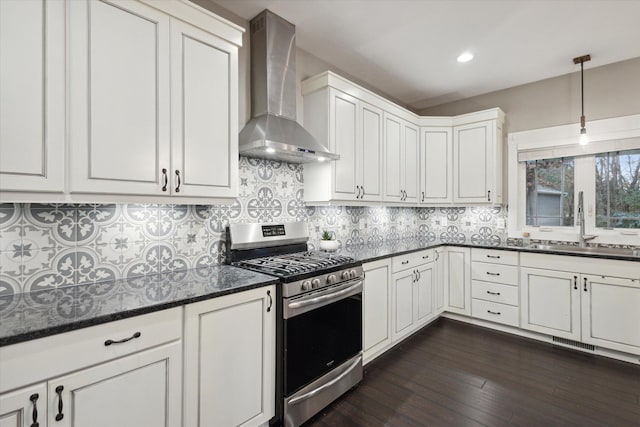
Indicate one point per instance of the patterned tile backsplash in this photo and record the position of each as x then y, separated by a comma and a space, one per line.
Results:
51, 245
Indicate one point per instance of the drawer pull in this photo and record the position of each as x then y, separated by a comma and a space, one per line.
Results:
575, 282
425, 257
585, 284
109, 342
493, 293
60, 415
34, 416
493, 274
405, 262
493, 256
493, 312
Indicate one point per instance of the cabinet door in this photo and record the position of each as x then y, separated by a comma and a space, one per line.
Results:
32, 105
611, 312
344, 131
143, 389
119, 97
550, 302
204, 101
436, 178
24, 407
411, 162
459, 280
230, 360
375, 308
424, 293
473, 150
440, 280
403, 317
394, 167
370, 159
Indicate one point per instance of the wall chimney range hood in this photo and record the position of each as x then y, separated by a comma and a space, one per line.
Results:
273, 132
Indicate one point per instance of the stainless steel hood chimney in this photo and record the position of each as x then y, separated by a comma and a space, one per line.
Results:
273, 132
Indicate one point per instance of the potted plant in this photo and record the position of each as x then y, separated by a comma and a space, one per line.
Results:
327, 243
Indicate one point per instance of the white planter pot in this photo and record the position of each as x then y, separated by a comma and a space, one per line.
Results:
329, 245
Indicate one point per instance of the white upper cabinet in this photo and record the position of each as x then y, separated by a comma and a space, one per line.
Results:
119, 97
353, 129
32, 105
204, 102
153, 105
477, 159
388, 154
436, 165
401, 160
144, 92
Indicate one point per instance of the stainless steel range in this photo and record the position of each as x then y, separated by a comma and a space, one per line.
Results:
319, 307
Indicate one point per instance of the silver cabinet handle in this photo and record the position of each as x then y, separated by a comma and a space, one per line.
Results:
322, 298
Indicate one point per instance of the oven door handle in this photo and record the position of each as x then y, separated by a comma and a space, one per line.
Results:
312, 393
323, 298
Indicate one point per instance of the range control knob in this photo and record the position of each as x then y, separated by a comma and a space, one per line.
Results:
353, 274
331, 279
346, 275
315, 283
306, 285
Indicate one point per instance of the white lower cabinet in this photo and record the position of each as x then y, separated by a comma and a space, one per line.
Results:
611, 312
412, 293
494, 286
551, 302
25, 407
137, 390
459, 280
440, 280
376, 313
588, 303
229, 375
125, 373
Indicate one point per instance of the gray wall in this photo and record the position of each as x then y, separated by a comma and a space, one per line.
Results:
610, 91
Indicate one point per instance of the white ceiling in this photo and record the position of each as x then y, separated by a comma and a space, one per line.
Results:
408, 48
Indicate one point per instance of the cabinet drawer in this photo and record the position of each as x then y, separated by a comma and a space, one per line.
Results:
42, 358
494, 256
495, 312
412, 260
496, 273
495, 292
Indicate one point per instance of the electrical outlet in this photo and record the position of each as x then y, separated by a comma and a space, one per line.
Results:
444, 222
500, 224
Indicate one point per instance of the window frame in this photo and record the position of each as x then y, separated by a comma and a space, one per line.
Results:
564, 139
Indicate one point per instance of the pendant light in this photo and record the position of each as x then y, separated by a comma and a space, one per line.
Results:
583, 130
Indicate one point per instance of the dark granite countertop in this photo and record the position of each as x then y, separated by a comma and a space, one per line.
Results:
33, 315
369, 253
24, 317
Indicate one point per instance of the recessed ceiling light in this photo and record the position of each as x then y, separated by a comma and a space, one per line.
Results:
270, 150
465, 57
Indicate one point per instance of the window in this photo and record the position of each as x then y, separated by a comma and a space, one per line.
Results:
548, 169
550, 192
618, 189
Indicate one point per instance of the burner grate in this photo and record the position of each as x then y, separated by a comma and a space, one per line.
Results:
295, 263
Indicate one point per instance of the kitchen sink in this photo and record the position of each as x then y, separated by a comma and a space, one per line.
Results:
588, 250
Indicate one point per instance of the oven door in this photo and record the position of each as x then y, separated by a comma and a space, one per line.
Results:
322, 330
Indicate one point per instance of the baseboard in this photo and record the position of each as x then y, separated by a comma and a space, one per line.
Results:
598, 351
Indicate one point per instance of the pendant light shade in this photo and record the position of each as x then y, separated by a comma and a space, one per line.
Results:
583, 130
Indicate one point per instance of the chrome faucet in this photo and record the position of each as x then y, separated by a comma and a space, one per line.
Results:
583, 237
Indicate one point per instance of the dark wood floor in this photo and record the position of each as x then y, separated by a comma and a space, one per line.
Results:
455, 374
